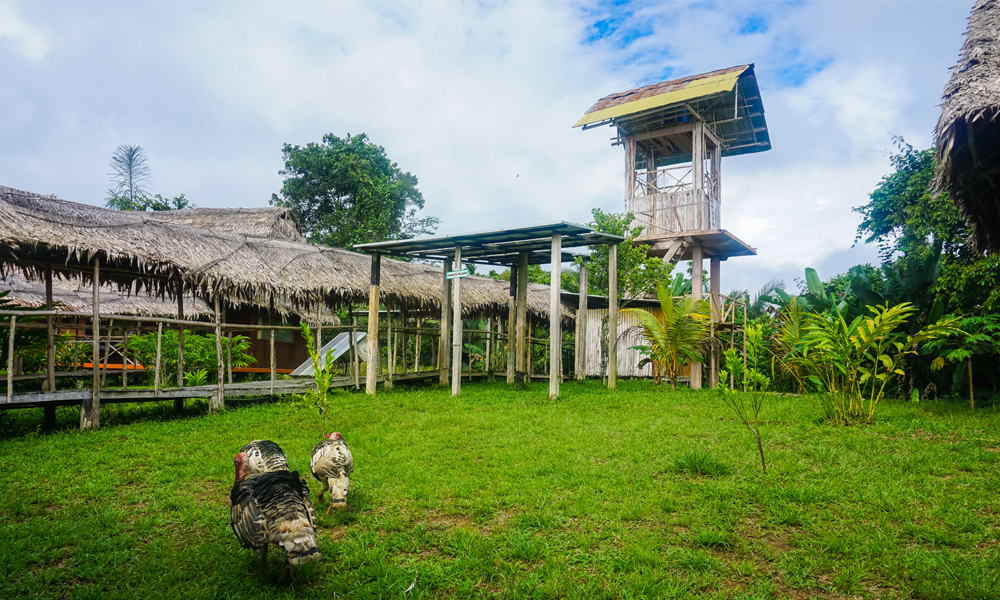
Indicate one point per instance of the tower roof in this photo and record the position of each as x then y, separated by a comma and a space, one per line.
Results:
727, 100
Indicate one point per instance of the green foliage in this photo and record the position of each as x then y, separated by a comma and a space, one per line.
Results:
196, 377
638, 275
346, 191
678, 335
144, 203
853, 363
699, 462
982, 339
323, 372
199, 354
29, 344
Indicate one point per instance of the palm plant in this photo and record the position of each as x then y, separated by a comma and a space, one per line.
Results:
678, 336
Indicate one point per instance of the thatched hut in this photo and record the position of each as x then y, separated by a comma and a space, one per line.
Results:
968, 134
204, 253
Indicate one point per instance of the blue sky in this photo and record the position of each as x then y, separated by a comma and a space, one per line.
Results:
475, 99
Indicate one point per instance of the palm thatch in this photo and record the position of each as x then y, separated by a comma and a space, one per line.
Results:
270, 222
968, 135
141, 252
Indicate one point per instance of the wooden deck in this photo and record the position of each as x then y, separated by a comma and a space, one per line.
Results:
231, 390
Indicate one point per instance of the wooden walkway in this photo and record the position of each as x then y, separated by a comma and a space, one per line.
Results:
231, 390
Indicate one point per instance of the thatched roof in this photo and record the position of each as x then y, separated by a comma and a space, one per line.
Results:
270, 222
142, 253
968, 135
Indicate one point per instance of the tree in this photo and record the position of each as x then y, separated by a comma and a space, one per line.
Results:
638, 274
346, 191
130, 176
678, 335
910, 225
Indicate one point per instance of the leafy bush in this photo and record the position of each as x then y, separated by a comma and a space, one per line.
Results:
199, 353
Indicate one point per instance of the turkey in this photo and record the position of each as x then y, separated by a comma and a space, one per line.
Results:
332, 464
262, 456
273, 508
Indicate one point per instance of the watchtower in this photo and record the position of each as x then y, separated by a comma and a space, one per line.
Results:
675, 134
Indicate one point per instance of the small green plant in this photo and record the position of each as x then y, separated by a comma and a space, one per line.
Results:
199, 353
323, 369
748, 403
196, 377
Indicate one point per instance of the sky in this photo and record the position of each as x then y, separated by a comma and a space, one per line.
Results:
477, 100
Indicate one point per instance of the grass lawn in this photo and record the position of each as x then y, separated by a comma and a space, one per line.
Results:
639, 493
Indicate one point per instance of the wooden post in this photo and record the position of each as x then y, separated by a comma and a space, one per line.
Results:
352, 339
629, 170
521, 372
715, 282
443, 341
456, 328
10, 359
274, 359
416, 351
390, 348
489, 347
697, 283
179, 402
511, 326
580, 368
371, 376
229, 357
612, 316
219, 401
90, 408
50, 410
555, 317
156, 373
125, 358
530, 362
405, 339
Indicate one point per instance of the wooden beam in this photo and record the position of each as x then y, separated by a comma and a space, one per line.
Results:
443, 342
371, 372
629, 167
512, 327
159, 346
489, 347
218, 401
90, 408
697, 282
715, 282
10, 359
555, 317
612, 316
580, 367
353, 341
179, 402
521, 371
648, 135
456, 333
390, 348
50, 354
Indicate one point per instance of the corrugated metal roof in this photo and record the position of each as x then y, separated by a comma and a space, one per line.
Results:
675, 91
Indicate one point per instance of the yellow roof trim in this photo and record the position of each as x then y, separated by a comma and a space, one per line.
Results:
696, 89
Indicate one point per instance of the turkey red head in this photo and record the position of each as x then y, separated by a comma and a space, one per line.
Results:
239, 462
335, 436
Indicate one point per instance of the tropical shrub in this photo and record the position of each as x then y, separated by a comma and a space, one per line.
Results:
679, 335
747, 403
854, 363
199, 353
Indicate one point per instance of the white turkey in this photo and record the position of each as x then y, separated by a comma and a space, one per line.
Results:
262, 456
332, 464
273, 508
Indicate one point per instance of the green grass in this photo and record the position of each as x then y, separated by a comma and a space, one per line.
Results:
638, 493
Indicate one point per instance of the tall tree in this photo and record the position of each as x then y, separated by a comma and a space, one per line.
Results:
346, 191
910, 225
130, 176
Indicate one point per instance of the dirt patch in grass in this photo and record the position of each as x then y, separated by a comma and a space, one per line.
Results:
448, 521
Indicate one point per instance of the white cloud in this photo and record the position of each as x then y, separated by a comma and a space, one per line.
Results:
29, 39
